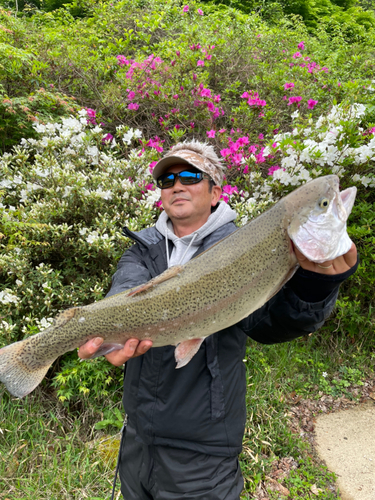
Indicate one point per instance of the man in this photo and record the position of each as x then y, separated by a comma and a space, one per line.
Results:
185, 426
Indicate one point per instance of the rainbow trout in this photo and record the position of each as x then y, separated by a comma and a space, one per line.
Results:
215, 290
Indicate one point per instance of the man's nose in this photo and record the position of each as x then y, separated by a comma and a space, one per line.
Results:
178, 186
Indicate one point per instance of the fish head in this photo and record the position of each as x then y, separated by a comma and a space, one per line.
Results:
318, 225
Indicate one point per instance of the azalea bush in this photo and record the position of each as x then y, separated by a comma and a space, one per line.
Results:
179, 71
66, 195
280, 107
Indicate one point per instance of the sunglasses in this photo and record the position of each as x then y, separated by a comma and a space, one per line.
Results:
186, 178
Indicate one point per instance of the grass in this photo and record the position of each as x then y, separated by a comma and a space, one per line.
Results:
49, 452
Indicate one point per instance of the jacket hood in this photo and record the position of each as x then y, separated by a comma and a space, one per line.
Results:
222, 215
185, 248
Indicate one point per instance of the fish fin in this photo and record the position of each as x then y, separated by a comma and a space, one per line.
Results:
65, 316
106, 349
168, 274
17, 377
186, 350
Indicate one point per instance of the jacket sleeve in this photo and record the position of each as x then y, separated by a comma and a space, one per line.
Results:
131, 272
286, 317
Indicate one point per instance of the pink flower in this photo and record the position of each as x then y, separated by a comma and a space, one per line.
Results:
211, 133
311, 103
261, 137
289, 86
133, 105
228, 189
175, 96
192, 124
273, 169
225, 152
200, 62
107, 138
150, 187
178, 53
151, 166
209, 57
206, 92
242, 141
131, 95
194, 76
158, 204
200, 12
301, 46
294, 99
224, 198
296, 55
91, 113
185, 9
222, 130
122, 60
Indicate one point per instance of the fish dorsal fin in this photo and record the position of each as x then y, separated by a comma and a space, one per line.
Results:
65, 316
168, 274
186, 350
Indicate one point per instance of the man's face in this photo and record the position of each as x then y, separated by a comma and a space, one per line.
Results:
189, 203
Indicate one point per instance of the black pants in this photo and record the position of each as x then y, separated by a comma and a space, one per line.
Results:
165, 473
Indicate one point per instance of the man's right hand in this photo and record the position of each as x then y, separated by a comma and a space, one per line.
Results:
131, 349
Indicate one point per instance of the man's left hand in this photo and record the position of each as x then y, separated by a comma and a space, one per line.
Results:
336, 266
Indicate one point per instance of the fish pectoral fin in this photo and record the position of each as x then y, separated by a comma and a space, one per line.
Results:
106, 349
186, 350
168, 274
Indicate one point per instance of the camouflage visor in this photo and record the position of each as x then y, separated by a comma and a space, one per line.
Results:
187, 157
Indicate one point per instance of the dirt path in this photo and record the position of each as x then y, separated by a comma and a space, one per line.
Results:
345, 440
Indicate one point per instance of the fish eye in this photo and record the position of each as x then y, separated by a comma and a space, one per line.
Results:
324, 202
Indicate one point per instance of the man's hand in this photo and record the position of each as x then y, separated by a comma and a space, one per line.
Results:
131, 349
337, 266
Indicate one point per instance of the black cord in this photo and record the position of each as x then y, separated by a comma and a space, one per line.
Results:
118, 462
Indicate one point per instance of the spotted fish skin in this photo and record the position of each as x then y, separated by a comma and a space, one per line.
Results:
185, 304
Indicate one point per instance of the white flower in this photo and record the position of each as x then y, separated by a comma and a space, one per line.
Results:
44, 323
106, 195
82, 112
137, 134
324, 374
295, 114
67, 191
151, 197
83, 231
92, 237
6, 297
127, 138
6, 183
289, 161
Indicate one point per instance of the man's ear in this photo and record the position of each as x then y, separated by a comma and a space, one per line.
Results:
215, 195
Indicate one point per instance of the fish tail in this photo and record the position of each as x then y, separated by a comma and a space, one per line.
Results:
19, 377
